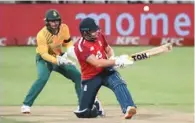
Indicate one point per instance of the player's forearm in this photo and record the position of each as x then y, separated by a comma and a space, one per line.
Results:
49, 58
109, 52
104, 63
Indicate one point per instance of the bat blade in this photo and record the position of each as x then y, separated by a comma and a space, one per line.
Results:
151, 52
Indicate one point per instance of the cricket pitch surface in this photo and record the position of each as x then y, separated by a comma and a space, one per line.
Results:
64, 114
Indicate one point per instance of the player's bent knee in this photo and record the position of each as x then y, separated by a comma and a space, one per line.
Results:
94, 112
87, 113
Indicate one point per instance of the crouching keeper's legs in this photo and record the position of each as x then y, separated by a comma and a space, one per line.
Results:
44, 69
71, 72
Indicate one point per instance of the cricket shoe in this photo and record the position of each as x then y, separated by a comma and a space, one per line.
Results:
98, 105
130, 112
25, 109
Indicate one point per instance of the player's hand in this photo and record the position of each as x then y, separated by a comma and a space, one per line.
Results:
126, 60
64, 61
123, 61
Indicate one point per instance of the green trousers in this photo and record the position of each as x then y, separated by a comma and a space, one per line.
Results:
44, 70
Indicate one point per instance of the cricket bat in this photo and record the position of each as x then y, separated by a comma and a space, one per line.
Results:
151, 52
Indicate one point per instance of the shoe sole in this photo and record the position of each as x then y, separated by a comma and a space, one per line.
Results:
130, 113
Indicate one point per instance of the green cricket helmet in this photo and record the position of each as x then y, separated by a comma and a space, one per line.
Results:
52, 15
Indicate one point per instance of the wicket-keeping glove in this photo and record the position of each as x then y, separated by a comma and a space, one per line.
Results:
62, 60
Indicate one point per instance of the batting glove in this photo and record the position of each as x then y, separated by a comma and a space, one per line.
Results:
123, 61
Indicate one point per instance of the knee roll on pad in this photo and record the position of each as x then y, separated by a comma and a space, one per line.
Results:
87, 113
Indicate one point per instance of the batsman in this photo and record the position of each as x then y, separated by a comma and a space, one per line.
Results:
97, 67
49, 57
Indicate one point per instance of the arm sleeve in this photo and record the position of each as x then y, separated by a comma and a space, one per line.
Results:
67, 40
42, 49
69, 44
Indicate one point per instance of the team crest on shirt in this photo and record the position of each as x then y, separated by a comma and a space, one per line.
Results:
100, 43
91, 48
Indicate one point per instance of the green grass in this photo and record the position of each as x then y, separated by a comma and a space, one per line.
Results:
165, 80
6, 120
